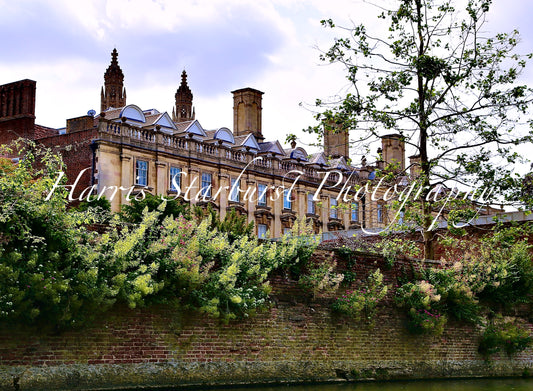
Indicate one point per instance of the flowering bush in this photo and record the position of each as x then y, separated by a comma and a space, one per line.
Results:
54, 271
498, 269
191, 263
321, 278
457, 298
506, 334
426, 321
423, 307
361, 304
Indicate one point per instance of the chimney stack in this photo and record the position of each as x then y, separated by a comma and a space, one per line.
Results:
336, 142
414, 166
393, 149
247, 112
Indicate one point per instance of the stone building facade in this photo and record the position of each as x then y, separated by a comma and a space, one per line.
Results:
125, 152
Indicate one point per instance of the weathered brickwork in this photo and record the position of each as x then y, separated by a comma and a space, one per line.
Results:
77, 154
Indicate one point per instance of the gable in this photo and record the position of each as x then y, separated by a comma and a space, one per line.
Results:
251, 142
340, 163
273, 147
321, 160
196, 128
165, 122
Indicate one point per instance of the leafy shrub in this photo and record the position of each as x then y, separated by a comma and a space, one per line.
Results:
47, 276
423, 321
361, 304
53, 271
133, 213
392, 248
504, 334
498, 269
188, 262
345, 253
234, 224
457, 297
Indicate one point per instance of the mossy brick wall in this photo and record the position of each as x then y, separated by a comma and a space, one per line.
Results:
298, 339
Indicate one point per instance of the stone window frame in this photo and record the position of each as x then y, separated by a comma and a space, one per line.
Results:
287, 199
380, 212
237, 196
333, 210
354, 211
311, 203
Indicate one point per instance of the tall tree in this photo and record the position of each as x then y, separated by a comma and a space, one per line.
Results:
451, 92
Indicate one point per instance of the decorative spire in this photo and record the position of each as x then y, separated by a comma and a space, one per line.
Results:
113, 93
183, 110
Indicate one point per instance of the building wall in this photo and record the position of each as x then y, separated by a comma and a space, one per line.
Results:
121, 146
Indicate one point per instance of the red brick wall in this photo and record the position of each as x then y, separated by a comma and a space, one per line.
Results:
288, 331
76, 150
298, 339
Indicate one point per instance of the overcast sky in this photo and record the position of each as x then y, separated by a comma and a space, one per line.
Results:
223, 45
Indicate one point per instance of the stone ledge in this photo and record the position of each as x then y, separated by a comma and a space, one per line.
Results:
188, 374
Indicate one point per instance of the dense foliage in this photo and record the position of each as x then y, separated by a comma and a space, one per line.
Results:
489, 275
55, 272
46, 272
504, 334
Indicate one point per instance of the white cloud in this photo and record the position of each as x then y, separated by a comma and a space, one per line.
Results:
65, 46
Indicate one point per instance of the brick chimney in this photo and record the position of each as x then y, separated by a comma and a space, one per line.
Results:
17, 110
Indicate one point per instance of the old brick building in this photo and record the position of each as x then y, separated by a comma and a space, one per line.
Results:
126, 151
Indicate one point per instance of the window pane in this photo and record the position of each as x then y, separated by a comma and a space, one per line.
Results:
262, 231
355, 211
333, 205
205, 190
287, 202
261, 190
141, 172
380, 213
234, 190
175, 178
310, 204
